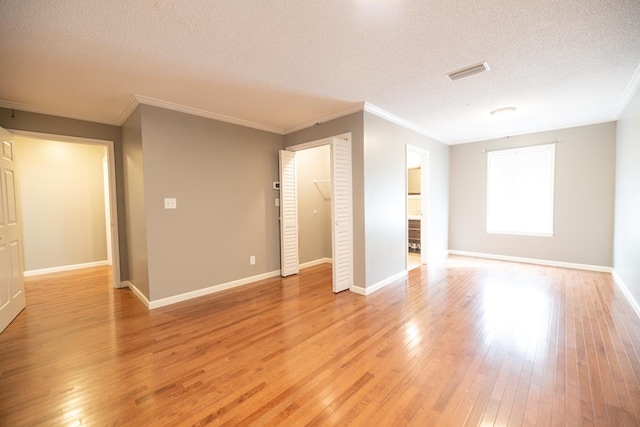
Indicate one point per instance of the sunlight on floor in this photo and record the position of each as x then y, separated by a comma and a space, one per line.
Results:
413, 261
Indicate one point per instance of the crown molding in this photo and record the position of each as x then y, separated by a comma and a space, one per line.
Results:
137, 100
369, 108
377, 111
128, 110
358, 107
628, 94
145, 100
529, 132
54, 112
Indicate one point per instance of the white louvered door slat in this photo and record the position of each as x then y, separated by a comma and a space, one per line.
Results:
288, 215
341, 215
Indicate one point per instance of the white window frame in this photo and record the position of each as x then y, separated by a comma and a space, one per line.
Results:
505, 154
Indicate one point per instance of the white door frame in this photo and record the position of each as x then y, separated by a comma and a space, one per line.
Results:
113, 201
318, 143
425, 207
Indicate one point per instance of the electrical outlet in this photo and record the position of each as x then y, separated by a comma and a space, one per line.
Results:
252, 260
170, 203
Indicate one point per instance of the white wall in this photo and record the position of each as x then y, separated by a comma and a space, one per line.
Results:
63, 203
583, 198
626, 253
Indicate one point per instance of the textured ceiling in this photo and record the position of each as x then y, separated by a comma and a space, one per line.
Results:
281, 64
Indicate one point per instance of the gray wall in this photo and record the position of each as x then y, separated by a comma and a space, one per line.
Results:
379, 183
385, 196
221, 175
353, 123
135, 217
384, 199
63, 203
583, 198
33, 122
314, 211
626, 258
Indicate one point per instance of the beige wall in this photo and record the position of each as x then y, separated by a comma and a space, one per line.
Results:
352, 123
626, 254
33, 122
413, 180
63, 204
135, 215
583, 198
222, 176
314, 211
386, 192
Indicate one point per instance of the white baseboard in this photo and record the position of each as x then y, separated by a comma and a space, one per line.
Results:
618, 281
414, 266
549, 263
315, 262
136, 292
60, 269
210, 290
358, 290
371, 289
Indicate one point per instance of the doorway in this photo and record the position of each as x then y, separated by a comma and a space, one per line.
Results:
68, 203
327, 180
314, 188
417, 179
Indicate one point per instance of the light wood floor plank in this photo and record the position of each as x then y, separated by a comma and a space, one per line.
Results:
469, 342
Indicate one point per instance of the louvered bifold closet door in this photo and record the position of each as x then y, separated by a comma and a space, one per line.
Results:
288, 215
342, 215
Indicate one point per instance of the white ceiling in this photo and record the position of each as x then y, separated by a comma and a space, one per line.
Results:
283, 64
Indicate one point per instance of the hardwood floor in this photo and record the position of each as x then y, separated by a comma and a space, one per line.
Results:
471, 342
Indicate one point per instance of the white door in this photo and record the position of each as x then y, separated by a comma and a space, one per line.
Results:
342, 236
288, 215
12, 299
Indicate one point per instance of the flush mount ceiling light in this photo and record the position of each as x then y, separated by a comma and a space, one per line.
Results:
469, 71
503, 111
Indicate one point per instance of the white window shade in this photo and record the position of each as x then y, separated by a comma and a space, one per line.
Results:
520, 190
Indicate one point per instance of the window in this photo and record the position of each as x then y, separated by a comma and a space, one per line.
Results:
520, 190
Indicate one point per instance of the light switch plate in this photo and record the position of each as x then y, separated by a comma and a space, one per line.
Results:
170, 203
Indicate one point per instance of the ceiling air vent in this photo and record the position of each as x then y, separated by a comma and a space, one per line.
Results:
469, 71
